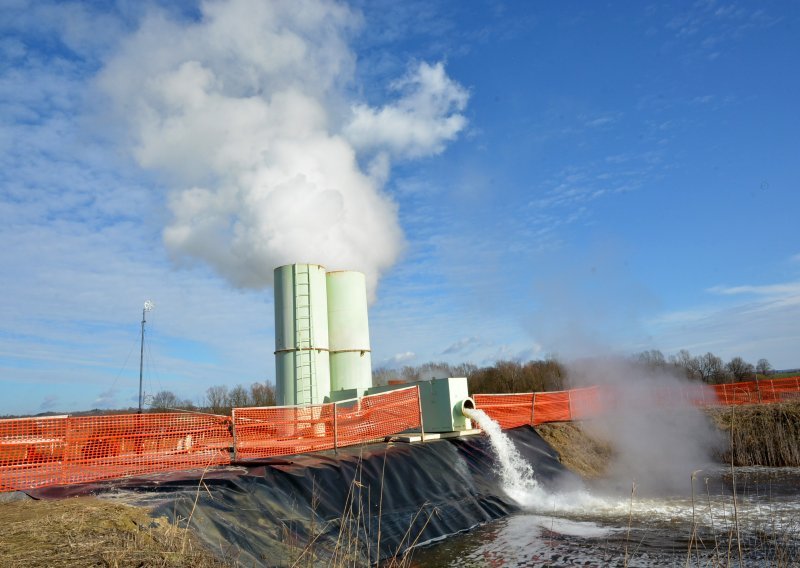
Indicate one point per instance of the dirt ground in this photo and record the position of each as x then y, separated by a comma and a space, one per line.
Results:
87, 531
578, 451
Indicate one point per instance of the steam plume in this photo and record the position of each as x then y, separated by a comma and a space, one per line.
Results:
657, 443
245, 113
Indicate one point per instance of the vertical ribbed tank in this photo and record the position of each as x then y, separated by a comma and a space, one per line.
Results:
302, 364
348, 332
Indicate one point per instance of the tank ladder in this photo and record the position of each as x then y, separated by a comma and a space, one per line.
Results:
303, 337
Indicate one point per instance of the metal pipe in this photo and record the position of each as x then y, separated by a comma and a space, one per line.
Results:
466, 404
421, 421
141, 360
335, 430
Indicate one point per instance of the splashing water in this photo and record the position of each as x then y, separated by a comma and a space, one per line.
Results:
515, 472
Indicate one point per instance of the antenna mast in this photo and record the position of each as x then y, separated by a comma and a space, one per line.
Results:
148, 306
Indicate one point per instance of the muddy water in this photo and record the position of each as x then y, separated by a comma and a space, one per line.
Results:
590, 528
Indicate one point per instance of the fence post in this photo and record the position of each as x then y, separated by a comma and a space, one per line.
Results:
758, 389
335, 430
421, 421
533, 409
569, 403
233, 434
67, 457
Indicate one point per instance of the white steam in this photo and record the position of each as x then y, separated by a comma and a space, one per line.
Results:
659, 437
244, 112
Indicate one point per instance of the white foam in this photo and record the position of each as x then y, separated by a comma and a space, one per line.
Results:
517, 475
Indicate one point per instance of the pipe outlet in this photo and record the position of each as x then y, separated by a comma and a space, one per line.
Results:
467, 403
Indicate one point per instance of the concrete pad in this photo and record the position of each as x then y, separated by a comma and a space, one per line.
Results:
414, 437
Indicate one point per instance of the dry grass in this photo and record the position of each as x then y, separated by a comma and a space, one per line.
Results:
762, 434
87, 531
587, 456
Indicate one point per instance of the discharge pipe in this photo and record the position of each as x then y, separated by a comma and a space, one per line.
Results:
466, 404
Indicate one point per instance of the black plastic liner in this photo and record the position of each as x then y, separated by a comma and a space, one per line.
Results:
268, 513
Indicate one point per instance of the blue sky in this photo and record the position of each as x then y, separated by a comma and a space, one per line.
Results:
516, 179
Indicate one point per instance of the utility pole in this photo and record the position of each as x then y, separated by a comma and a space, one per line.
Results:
148, 306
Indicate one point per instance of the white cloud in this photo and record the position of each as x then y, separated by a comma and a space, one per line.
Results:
399, 359
462, 346
756, 321
789, 291
427, 115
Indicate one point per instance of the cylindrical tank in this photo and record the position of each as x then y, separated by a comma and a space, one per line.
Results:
348, 330
302, 363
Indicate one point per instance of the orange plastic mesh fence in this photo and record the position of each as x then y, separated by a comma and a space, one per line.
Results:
551, 407
377, 416
32, 452
773, 390
508, 410
104, 447
588, 402
277, 431
512, 410
35, 452
282, 430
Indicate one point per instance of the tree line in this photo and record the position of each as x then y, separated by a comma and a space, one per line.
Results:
502, 377
707, 368
219, 399
552, 375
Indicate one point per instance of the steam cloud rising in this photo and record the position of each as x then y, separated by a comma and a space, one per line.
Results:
246, 114
657, 445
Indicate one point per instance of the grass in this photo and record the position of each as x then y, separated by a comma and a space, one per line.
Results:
760, 434
87, 531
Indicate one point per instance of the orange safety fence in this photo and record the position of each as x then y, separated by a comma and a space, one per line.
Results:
277, 431
774, 390
55, 450
588, 402
37, 452
551, 407
512, 410
32, 452
508, 410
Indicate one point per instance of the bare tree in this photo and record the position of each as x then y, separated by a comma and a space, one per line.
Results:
711, 368
652, 359
763, 367
262, 394
685, 363
739, 369
410, 373
239, 397
218, 400
382, 376
164, 399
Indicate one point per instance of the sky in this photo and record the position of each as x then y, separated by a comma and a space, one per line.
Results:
517, 180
